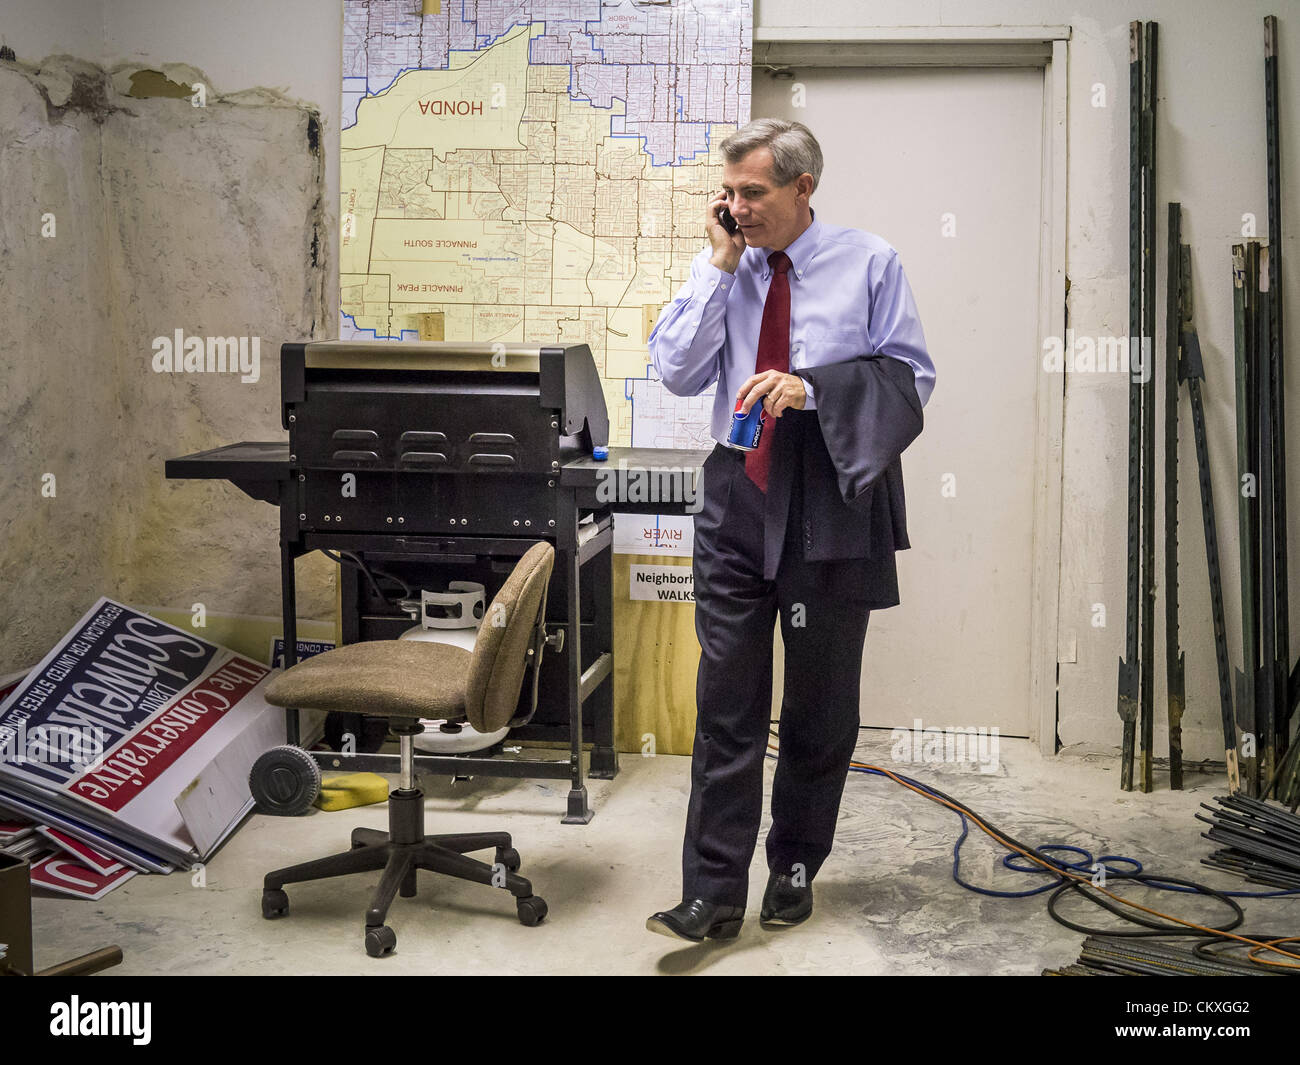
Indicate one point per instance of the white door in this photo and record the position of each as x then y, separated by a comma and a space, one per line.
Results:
946, 165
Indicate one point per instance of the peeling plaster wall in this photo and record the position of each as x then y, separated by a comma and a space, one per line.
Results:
208, 220
291, 47
214, 212
57, 364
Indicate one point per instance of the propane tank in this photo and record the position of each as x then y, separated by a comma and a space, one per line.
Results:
450, 617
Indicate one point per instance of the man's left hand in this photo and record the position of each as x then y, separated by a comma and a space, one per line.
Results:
777, 390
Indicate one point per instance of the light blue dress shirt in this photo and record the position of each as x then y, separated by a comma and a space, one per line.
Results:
848, 297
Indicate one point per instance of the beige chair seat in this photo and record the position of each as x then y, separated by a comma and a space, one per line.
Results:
392, 678
415, 679
412, 679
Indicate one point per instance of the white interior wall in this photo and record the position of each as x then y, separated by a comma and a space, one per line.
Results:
1210, 157
37, 28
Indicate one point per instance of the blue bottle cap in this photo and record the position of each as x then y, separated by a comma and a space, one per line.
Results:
600, 454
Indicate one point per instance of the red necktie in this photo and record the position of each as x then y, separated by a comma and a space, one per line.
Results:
773, 354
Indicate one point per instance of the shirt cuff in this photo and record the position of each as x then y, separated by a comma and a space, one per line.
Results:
715, 283
810, 400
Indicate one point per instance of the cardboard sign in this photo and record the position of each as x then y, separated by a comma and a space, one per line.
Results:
119, 718
82, 852
662, 584
69, 877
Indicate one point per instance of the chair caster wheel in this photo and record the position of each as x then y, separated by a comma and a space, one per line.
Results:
275, 903
380, 941
531, 910
509, 857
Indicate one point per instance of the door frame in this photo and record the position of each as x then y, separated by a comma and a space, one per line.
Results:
1045, 48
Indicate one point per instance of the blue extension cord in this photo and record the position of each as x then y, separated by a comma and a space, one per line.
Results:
1085, 864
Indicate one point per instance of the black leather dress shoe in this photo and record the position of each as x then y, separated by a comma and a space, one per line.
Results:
696, 920
783, 902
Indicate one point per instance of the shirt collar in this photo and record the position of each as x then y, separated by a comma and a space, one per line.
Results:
800, 251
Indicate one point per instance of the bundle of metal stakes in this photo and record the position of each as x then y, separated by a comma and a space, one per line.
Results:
1261, 841
1266, 688
1136, 678
1111, 956
1260, 757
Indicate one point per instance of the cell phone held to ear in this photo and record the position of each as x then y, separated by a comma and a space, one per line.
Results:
728, 223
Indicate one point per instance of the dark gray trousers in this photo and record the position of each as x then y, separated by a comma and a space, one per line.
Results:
823, 609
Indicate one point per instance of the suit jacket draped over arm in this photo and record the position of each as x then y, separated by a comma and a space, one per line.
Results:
868, 412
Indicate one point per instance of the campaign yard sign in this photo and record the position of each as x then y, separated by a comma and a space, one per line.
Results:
115, 722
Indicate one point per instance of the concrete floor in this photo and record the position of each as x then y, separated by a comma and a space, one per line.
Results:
885, 900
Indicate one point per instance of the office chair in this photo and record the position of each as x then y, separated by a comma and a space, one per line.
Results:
405, 681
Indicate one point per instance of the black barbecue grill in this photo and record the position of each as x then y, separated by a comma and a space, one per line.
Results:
420, 425
437, 461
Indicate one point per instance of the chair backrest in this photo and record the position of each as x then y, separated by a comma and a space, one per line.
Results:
496, 670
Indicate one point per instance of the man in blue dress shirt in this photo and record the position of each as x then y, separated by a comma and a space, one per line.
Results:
817, 323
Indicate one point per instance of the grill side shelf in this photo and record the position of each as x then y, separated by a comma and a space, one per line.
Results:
258, 468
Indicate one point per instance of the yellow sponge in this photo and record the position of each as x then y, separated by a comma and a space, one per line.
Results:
351, 789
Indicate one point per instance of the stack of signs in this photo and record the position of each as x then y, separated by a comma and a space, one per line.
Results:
130, 744
18, 837
60, 862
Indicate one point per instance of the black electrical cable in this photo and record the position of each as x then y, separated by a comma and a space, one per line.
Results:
1153, 928
1167, 883
370, 572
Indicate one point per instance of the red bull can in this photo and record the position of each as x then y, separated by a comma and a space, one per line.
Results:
746, 429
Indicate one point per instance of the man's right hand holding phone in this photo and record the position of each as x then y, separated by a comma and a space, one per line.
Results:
727, 247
